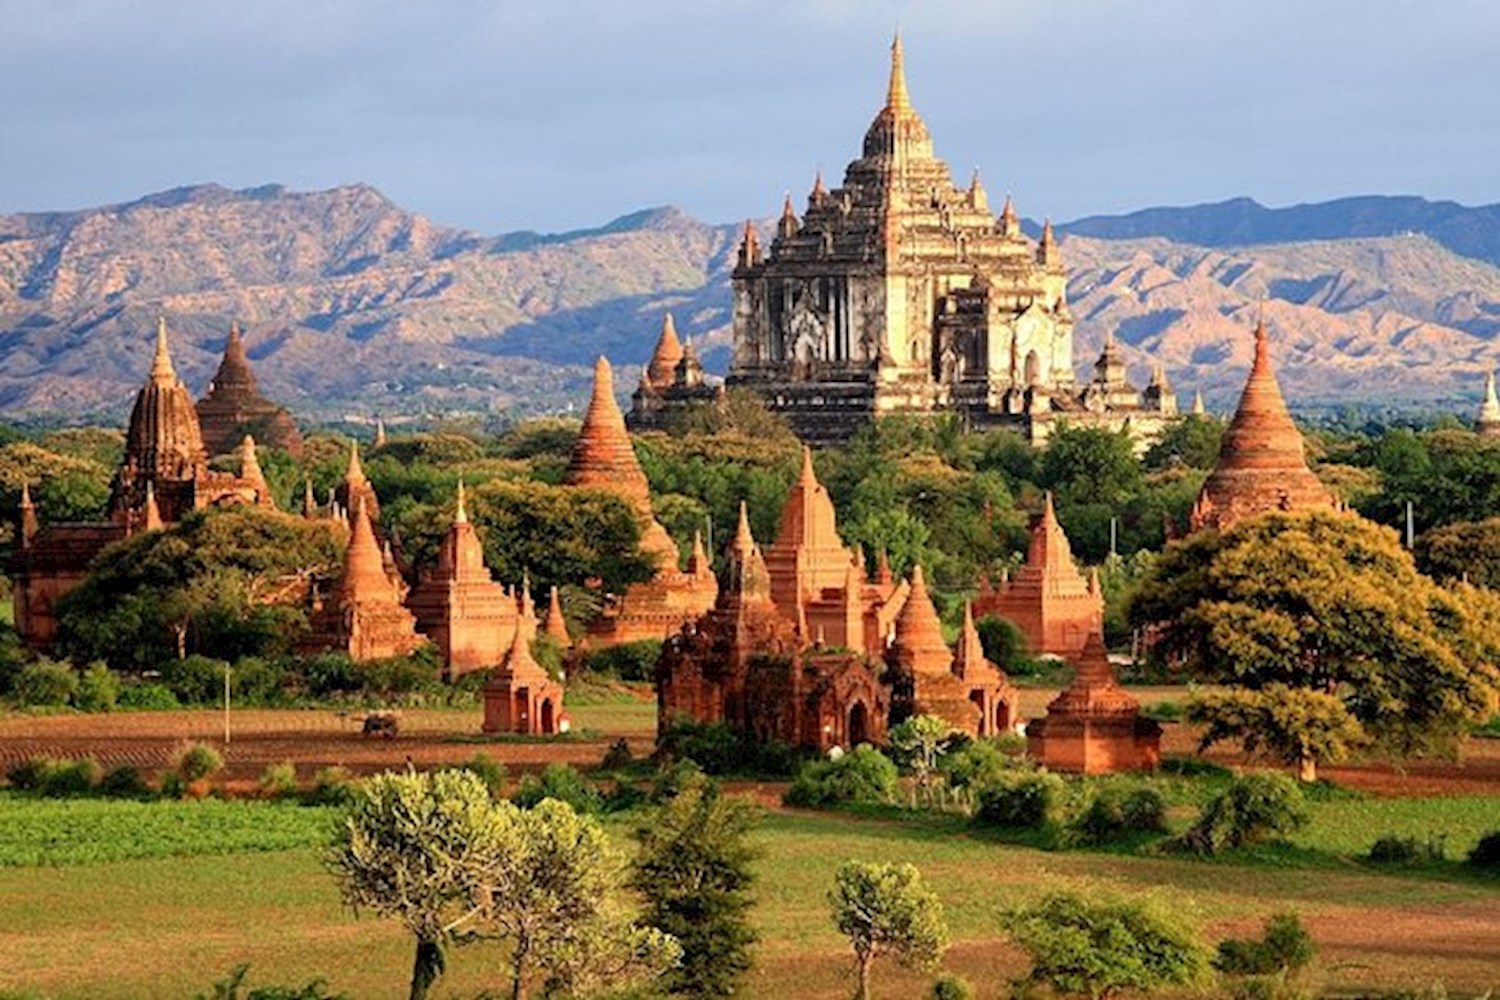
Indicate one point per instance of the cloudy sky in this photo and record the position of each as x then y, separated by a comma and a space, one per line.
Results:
555, 114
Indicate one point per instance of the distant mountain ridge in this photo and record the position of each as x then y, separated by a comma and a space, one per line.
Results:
1472, 232
353, 305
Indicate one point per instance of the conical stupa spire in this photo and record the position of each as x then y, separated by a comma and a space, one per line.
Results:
557, 625
355, 473
743, 542
662, 370
250, 470
161, 365
460, 515
919, 641
896, 97
969, 653
364, 576
1198, 407
1261, 465
309, 499
29, 523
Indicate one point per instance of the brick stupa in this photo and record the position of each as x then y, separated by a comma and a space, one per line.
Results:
520, 697
1261, 465
748, 665
363, 616
820, 584
926, 676
1047, 598
1094, 726
989, 688
234, 407
164, 476
459, 606
604, 459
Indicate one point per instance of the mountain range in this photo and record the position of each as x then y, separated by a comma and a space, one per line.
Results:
352, 305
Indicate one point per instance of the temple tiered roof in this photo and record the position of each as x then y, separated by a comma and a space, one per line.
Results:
662, 371
919, 647
234, 406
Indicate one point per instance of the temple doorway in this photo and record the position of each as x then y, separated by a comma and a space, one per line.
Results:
549, 724
859, 724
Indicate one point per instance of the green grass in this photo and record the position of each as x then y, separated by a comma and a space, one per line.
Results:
184, 920
83, 831
1350, 826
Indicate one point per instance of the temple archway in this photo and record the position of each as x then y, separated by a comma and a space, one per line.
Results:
1033, 368
858, 730
548, 721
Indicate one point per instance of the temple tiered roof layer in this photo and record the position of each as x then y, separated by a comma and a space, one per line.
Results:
234, 407
1047, 598
1262, 466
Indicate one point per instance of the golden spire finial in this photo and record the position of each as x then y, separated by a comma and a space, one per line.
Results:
460, 516
896, 97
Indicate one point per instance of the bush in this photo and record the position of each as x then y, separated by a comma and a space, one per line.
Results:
45, 683
1101, 948
952, 988
331, 786
1114, 812
978, 763
561, 782
67, 778
124, 782
195, 680
197, 762
1030, 800
617, 757
1486, 853
256, 681
148, 697
1164, 711
98, 689
28, 775
629, 661
1393, 850
863, 775
489, 770
278, 781
719, 750
232, 987
1255, 807
1284, 947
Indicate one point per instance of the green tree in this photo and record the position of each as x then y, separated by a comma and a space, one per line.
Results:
1293, 725
1326, 603
921, 742
416, 847
1462, 550
1089, 465
694, 871
216, 583
1192, 441
1098, 949
554, 898
887, 910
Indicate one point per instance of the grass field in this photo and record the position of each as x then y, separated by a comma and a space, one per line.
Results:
167, 926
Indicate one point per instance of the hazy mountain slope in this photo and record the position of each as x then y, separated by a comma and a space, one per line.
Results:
352, 304
1473, 232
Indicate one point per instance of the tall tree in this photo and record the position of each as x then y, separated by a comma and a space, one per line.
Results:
694, 871
886, 910
1331, 604
414, 847
554, 898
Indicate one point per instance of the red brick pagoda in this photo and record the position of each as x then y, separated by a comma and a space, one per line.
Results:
1047, 598
1094, 726
234, 407
521, 698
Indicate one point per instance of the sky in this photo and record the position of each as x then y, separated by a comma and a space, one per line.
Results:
558, 114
